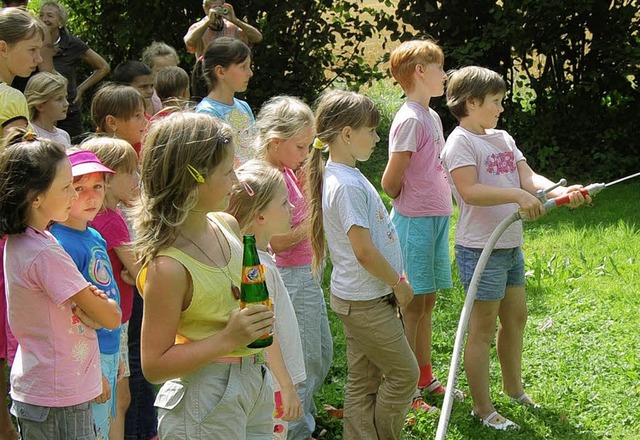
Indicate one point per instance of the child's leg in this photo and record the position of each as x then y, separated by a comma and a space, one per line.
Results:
417, 323
7, 430
482, 328
123, 394
513, 317
376, 347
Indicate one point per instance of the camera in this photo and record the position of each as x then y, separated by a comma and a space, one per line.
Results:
220, 10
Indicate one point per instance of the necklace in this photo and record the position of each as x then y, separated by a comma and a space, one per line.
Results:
235, 290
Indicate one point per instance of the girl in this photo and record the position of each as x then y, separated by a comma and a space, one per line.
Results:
110, 222
366, 281
260, 203
286, 129
69, 53
193, 336
21, 39
118, 111
227, 69
46, 95
56, 371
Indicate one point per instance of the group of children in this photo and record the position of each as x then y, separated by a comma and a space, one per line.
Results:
74, 269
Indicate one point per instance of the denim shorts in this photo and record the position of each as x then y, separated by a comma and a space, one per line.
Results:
40, 423
425, 251
505, 268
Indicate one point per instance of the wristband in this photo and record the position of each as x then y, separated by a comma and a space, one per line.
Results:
401, 278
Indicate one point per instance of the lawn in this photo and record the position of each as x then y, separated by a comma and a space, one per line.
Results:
582, 344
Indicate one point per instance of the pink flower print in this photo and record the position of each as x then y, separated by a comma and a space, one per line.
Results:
501, 163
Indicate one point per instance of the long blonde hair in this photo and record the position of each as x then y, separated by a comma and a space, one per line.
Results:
335, 110
258, 183
173, 149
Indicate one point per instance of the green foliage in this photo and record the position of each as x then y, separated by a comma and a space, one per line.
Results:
572, 69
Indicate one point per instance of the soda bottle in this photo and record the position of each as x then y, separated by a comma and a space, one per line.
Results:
253, 289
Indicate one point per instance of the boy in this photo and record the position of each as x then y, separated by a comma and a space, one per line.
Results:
172, 86
137, 75
89, 251
415, 179
492, 180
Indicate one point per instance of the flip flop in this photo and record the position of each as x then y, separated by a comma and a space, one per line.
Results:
524, 400
437, 389
502, 426
418, 404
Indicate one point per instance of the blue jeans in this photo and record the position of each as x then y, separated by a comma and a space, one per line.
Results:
317, 344
140, 421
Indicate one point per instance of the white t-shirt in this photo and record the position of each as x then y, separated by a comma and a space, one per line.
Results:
349, 199
495, 156
286, 326
57, 135
425, 191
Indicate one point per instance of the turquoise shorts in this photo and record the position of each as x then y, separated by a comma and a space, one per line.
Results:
505, 268
102, 412
425, 251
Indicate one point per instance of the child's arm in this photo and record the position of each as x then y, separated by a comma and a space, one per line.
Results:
531, 182
103, 311
474, 193
165, 297
106, 392
374, 262
291, 405
281, 243
392, 176
128, 259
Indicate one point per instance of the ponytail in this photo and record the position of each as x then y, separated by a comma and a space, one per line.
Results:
314, 176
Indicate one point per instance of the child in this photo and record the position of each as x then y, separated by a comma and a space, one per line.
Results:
366, 280
118, 111
193, 336
172, 86
286, 129
227, 68
415, 179
56, 371
21, 39
157, 56
137, 75
121, 187
260, 203
492, 180
89, 251
46, 95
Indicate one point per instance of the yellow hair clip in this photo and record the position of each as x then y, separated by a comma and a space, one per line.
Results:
29, 136
318, 144
195, 174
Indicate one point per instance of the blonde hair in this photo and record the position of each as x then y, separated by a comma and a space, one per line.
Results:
158, 49
471, 83
408, 55
17, 25
169, 189
41, 87
281, 117
258, 183
336, 110
114, 153
115, 100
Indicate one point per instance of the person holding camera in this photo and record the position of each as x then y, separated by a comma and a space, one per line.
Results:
220, 21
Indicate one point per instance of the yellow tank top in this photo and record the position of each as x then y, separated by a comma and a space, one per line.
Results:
212, 299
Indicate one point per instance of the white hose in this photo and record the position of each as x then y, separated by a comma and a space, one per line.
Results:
464, 323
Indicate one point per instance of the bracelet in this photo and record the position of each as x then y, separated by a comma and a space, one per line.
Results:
401, 278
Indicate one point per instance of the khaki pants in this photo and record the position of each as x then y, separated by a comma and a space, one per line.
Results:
383, 371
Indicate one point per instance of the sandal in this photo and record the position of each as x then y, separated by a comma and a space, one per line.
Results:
418, 404
505, 425
524, 400
437, 389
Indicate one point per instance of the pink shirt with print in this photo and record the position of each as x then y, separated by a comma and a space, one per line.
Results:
57, 363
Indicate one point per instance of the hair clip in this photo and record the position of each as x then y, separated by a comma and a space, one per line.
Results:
195, 174
248, 189
29, 136
318, 144
224, 139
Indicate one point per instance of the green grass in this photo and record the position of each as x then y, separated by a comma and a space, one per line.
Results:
581, 358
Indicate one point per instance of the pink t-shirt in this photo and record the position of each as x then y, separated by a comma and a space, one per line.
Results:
113, 228
425, 190
300, 254
58, 362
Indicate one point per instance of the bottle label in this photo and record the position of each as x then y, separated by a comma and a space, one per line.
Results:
253, 274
